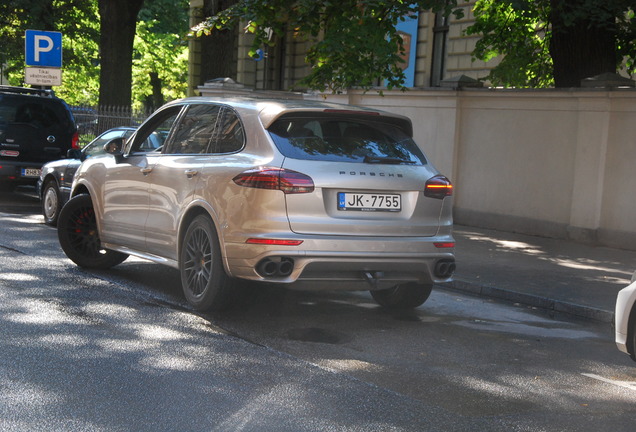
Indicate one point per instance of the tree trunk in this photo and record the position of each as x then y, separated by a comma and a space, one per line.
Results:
218, 49
156, 99
580, 47
118, 19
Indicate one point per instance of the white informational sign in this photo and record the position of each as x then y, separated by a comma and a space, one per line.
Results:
43, 76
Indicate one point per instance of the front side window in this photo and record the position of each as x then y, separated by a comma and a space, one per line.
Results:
153, 134
195, 132
97, 146
334, 138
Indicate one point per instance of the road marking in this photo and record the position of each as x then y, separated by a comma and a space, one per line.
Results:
625, 384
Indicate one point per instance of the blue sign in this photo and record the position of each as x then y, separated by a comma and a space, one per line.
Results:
43, 48
407, 29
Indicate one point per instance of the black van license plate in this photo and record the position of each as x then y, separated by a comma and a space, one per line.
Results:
30, 172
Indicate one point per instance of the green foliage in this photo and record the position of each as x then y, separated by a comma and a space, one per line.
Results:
160, 45
354, 42
74, 18
626, 39
163, 54
80, 71
161, 49
519, 33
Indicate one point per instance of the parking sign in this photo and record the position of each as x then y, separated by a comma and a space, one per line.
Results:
43, 48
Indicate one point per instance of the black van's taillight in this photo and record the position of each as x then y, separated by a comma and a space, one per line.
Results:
438, 187
75, 141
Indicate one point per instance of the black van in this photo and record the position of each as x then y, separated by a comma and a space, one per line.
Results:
35, 127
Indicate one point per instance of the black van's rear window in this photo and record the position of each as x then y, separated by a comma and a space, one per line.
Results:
334, 138
37, 112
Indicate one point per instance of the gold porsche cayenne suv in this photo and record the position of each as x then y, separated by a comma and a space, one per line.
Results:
313, 195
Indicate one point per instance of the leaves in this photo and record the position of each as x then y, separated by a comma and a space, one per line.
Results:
519, 33
160, 48
515, 31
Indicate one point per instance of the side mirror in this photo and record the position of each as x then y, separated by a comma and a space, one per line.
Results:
114, 147
74, 154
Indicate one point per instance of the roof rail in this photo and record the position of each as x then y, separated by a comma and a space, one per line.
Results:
25, 90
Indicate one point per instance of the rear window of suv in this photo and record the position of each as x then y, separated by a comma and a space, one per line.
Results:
339, 139
34, 111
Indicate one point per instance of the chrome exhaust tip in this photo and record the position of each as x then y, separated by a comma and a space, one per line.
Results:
445, 268
275, 267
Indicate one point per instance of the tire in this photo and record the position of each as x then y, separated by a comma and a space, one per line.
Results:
51, 204
631, 335
403, 296
205, 284
79, 238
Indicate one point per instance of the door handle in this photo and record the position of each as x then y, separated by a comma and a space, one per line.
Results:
191, 173
146, 171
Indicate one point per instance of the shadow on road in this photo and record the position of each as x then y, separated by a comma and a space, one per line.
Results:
19, 200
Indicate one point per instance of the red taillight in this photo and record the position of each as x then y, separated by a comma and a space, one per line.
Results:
75, 141
290, 182
443, 245
273, 242
438, 187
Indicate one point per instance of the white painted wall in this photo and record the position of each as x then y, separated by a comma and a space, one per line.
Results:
558, 163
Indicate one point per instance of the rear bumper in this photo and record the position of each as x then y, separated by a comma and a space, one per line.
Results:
345, 262
625, 302
11, 171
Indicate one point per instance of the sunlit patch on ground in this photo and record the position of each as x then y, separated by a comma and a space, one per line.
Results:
625, 384
18, 277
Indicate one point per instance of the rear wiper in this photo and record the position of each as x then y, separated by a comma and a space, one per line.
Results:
386, 160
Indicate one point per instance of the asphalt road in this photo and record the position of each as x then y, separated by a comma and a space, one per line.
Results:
119, 350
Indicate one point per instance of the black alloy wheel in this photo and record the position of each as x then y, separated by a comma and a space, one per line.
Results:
79, 237
205, 284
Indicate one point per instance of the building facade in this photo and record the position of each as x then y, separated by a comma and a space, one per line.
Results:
438, 50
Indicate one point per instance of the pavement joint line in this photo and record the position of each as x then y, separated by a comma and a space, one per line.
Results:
578, 310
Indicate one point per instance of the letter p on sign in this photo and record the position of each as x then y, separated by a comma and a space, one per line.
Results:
43, 48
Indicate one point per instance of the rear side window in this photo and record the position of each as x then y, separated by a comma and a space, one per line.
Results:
334, 138
231, 136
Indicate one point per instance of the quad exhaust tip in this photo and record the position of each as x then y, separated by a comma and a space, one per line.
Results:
275, 267
284, 266
445, 268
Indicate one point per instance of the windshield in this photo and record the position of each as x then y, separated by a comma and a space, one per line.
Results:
334, 138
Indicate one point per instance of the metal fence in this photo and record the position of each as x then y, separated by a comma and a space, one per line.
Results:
92, 121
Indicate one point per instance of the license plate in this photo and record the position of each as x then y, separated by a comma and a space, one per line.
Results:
369, 202
30, 172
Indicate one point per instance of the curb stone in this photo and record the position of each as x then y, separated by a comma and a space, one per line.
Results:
587, 312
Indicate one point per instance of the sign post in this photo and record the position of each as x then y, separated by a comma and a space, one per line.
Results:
43, 55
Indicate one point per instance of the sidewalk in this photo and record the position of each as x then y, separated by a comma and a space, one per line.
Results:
549, 273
